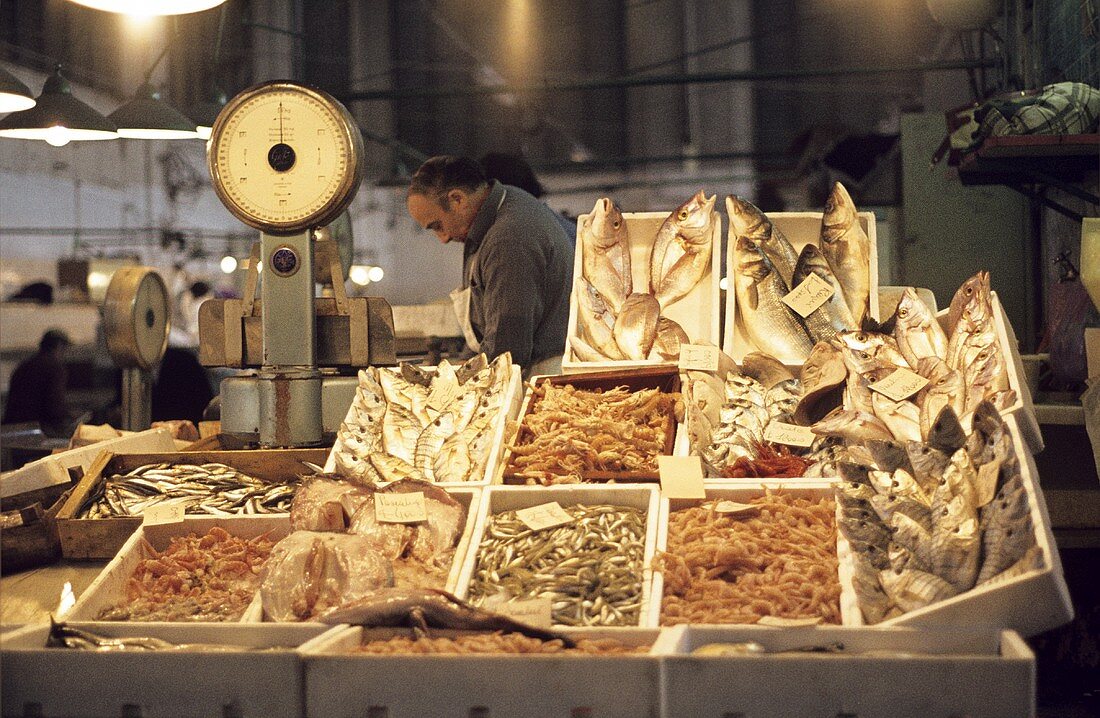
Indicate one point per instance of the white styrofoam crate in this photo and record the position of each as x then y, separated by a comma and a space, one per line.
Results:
801, 228
885, 673
509, 409
697, 312
498, 499
340, 684
742, 492
109, 588
239, 682
1030, 603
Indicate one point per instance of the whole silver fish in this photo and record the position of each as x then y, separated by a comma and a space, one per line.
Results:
834, 315
670, 335
865, 351
748, 221
635, 328
597, 321
822, 376
854, 426
605, 248
976, 287
918, 332
902, 417
1009, 533
682, 249
846, 246
768, 322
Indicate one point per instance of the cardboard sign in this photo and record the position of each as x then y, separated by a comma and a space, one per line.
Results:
544, 516
400, 508
778, 432
900, 385
699, 357
734, 508
681, 477
532, 611
780, 621
808, 296
163, 513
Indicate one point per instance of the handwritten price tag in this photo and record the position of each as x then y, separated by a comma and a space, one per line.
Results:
681, 477
400, 508
544, 516
807, 297
163, 514
901, 384
699, 357
532, 611
780, 621
789, 434
732, 507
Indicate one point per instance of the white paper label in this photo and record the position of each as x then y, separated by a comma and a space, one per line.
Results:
778, 432
734, 508
681, 477
393, 508
901, 384
808, 296
699, 357
163, 514
780, 621
532, 611
544, 516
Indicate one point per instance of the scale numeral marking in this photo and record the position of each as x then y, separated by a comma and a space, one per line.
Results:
242, 180
282, 203
321, 178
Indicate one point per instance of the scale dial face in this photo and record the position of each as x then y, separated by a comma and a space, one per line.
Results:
135, 317
285, 157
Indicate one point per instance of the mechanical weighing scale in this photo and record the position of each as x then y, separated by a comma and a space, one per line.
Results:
287, 159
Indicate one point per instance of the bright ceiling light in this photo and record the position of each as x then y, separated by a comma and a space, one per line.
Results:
376, 274
150, 7
147, 117
57, 109
229, 264
360, 274
14, 95
57, 136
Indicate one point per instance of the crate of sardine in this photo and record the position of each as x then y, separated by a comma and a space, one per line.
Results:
108, 503
841, 671
443, 424
763, 554
168, 669
205, 570
643, 284
796, 278
599, 427
350, 542
580, 555
357, 670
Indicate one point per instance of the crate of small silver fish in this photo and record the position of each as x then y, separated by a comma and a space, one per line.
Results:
107, 505
164, 669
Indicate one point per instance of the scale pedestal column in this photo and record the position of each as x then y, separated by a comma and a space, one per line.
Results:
137, 399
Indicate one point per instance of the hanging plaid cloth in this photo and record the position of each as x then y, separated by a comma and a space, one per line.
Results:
1064, 108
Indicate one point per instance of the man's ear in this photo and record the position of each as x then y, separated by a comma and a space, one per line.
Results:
456, 196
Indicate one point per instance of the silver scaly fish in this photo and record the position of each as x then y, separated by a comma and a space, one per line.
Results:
918, 332
682, 249
749, 222
834, 315
605, 248
846, 246
771, 326
597, 321
635, 328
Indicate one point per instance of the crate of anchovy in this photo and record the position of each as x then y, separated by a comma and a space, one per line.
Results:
165, 669
599, 427
575, 556
444, 424
199, 569
107, 505
839, 671
505, 674
767, 554
643, 284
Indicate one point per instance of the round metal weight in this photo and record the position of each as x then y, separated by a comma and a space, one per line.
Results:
136, 317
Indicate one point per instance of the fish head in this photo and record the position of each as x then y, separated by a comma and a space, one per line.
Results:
840, 213
947, 433
746, 219
605, 223
912, 313
751, 261
694, 217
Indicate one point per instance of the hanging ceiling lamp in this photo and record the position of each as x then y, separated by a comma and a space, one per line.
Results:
146, 117
150, 7
14, 95
58, 117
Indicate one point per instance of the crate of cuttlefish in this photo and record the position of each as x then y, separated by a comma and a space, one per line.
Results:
643, 284
353, 542
598, 427
796, 278
443, 424
192, 569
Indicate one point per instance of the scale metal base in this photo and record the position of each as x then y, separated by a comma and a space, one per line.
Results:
243, 396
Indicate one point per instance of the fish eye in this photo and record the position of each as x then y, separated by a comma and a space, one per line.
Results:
903, 313
683, 214
616, 224
969, 291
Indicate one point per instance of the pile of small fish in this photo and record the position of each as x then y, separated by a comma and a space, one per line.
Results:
726, 421
212, 488
63, 635
615, 321
927, 521
590, 569
496, 642
411, 423
963, 366
766, 269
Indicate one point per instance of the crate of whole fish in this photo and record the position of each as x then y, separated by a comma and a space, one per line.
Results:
584, 552
201, 569
499, 673
346, 545
771, 255
107, 505
443, 424
832, 670
94, 670
600, 426
643, 283
752, 554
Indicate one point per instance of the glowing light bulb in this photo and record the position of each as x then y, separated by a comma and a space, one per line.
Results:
359, 274
57, 136
229, 264
376, 274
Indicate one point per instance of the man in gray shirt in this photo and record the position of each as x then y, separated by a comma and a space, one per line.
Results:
517, 266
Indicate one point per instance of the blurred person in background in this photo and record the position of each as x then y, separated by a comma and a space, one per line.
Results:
37, 391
